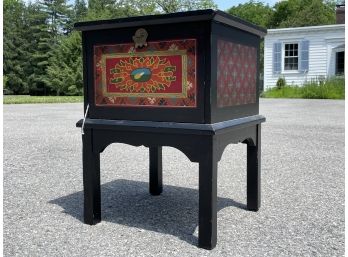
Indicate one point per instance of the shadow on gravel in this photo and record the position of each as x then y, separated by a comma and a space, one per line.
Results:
129, 203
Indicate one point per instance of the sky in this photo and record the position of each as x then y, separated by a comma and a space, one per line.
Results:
225, 4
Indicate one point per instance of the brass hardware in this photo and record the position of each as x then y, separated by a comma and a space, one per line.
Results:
140, 37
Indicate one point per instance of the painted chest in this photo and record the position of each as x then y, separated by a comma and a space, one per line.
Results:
197, 67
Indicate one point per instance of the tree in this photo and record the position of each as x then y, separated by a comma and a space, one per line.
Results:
6, 90
184, 5
15, 53
64, 72
140, 7
58, 14
48, 20
106, 9
75, 14
100, 9
80, 10
41, 41
254, 12
299, 13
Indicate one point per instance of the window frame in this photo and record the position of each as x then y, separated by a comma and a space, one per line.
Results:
336, 63
283, 57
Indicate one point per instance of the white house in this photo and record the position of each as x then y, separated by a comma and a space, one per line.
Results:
302, 54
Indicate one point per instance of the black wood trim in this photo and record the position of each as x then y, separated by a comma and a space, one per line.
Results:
190, 16
141, 23
236, 22
173, 127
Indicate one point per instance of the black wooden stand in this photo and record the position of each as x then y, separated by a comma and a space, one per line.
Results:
202, 143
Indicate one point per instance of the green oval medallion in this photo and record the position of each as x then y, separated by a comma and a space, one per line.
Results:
141, 74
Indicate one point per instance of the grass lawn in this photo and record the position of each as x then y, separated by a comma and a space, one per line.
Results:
328, 89
27, 99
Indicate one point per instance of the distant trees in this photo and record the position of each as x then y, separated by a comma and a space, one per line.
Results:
183, 5
15, 54
30, 35
288, 13
41, 40
254, 12
299, 13
64, 71
42, 53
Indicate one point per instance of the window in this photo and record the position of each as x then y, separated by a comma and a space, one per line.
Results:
340, 63
291, 56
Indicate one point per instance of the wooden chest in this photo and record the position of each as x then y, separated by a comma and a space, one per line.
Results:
196, 67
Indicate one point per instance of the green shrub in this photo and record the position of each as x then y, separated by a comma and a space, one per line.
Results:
281, 83
332, 88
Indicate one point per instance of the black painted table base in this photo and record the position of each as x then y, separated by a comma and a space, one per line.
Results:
202, 143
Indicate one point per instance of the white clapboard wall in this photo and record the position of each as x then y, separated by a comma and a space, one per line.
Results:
317, 53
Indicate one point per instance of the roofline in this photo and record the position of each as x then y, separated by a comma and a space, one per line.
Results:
306, 29
199, 15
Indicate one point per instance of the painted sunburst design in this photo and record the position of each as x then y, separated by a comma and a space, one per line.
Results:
148, 74
161, 75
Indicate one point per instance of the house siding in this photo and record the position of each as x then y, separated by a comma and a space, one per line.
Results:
322, 39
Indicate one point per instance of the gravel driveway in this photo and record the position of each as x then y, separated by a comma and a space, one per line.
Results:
302, 211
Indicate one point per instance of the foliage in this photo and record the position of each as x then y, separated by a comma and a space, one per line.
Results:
299, 13
281, 83
107, 9
64, 72
184, 5
332, 88
58, 14
4, 80
40, 43
79, 11
6, 89
287, 13
285, 92
254, 12
14, 46
329, 89
27, 99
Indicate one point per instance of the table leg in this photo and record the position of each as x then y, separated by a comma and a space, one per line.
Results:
91, 181
207, 201
254, 173
155, 170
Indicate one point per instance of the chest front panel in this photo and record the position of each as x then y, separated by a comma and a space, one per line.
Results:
162, 74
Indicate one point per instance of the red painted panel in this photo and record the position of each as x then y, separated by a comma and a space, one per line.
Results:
163, 74
236, 74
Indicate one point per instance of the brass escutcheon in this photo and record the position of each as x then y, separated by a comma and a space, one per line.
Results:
140, 37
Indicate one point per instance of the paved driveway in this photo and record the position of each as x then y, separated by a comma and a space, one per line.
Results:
302, 212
